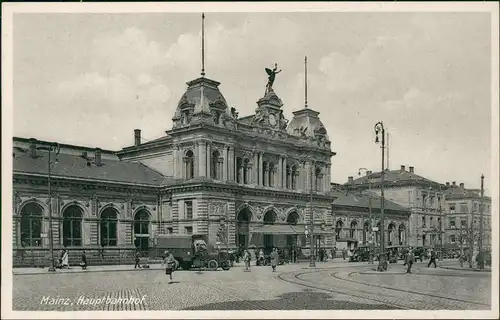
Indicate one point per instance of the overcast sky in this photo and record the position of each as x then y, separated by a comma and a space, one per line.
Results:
427, 76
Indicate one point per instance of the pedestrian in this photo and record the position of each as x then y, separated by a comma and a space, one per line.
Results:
137, 259
274, 259
170, 264
333, 254
321, 255
231, 257
344, 253
83, 263
432, 260
247, 257
409, 260
65, 260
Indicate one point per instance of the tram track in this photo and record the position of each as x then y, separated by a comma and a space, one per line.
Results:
335, 275
312, 285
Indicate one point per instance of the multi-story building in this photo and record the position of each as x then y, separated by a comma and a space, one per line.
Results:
462, 216
423, 197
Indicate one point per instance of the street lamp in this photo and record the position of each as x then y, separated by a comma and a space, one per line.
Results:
370, 233
54, 147
379, 129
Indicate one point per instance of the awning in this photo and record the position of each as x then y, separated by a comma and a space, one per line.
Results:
286, 229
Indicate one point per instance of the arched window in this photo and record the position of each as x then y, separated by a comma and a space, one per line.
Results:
189, 164
215, 166
31, 225
352, 231
292, 219
269, 218
271, 175
338, 229
295, 174
390, 233
366, 229
109, 220
243, 227
239, 170
265, 174
72, 226
246, 171
317, 179
141, 229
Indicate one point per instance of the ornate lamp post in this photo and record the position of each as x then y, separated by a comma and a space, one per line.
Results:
370, 230
54, 147
379, 129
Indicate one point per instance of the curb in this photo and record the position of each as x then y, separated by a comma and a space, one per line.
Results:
465, 269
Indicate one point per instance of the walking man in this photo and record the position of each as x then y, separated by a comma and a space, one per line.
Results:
344, 253
274, 259
409, 260
83, 263
247, 257
432, 259
137, 259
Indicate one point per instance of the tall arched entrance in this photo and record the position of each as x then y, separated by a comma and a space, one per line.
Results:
141, 229
243, 227
269, 218
31, 225
72, 226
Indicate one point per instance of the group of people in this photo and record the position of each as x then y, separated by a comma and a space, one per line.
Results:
62, 261
410, 259
247, 257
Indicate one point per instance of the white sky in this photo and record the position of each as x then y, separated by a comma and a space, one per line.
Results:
426, 75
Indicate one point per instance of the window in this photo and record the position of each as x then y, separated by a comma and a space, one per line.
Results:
31, 225
215, 166
452, 222
464, 208
453, 238
141, 230
475, 207
189, 165
452, 208
72, 226
287, 180
431, 222
246, 168
170, 230
188, 207
352, 231
188, 230
295, 174
423, 222
108, 227
463, 223
317, 179
239, 170
270, 175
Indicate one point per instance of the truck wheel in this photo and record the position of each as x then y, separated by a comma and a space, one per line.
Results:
212, 264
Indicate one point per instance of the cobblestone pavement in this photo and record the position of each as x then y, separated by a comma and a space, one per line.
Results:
293, 287
424, 289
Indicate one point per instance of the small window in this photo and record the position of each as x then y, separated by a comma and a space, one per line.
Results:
452, 222
463, 223
189, 209
452, 208
170, 230
452, 238
189, 230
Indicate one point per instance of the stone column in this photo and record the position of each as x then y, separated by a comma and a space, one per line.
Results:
261, 169
276, 175
174, 162
196, 164
279, 173
285, 172
225, 166
255, 171
209, 160
249, 174
266, 178
202, 155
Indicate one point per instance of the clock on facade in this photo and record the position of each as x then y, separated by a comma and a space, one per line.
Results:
272, 119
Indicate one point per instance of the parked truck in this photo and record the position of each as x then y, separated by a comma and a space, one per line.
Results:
193, 251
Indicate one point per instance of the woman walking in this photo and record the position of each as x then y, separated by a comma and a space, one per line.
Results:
65, 260
83, 263
274, 259
247, 257
170, 263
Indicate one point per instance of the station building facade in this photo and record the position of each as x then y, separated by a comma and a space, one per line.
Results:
257, 177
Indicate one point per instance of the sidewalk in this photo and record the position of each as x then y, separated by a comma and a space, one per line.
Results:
455, 265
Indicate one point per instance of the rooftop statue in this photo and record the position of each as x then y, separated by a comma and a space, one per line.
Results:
272, 75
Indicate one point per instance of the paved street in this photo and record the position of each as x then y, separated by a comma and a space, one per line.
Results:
335, 285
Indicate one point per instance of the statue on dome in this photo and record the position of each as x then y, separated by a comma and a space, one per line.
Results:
271, 76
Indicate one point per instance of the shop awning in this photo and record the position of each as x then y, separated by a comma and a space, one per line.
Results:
286, 229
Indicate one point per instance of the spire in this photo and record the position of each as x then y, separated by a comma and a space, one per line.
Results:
203, 44
305, 82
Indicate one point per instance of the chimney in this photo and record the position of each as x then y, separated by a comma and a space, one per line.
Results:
402, 168
412, 169
33, 147
137, 137
97, 157
447, 184
350, 180
454, 183
462, 185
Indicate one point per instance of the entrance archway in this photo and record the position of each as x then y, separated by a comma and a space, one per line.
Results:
141, 229
243, 227
292, 219
269, 218
72, 226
